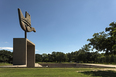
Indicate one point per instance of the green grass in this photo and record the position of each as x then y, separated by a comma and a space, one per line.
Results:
4, 64
55, 72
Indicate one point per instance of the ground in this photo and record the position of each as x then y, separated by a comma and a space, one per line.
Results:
58, 72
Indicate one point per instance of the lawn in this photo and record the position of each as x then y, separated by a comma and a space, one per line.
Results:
56, 72
4, 64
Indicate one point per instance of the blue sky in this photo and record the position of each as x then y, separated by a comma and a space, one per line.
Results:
61, 25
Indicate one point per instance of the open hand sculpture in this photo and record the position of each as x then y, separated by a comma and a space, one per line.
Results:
25, 22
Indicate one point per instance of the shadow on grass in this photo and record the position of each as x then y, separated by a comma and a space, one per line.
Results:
100, 73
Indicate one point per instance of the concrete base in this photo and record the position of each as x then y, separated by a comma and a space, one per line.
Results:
23, 52
76, 65
13, 66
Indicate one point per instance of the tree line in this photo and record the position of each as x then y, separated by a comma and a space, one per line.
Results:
80, 56
104, 41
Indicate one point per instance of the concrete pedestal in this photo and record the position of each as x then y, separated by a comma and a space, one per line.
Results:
23, 52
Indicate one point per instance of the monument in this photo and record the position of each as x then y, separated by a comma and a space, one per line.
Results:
23, 49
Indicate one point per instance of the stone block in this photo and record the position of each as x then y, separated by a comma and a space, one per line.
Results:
23, 52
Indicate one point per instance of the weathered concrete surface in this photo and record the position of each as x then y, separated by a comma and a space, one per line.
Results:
13, 66
30, 55
102, 65
25, 22
19, 51
23, 52
76, 65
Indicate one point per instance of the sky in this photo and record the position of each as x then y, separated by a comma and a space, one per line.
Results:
61, 25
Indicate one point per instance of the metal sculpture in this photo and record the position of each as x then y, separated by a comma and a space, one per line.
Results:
25, 22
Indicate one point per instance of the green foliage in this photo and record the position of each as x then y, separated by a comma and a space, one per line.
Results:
38, 58
105, 42
99, 41
6, 56
54, 57
79, 56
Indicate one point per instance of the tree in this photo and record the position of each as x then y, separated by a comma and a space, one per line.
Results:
38, 58
82, 56
69, 58
45, 57
54, 56
94, 56
112, 34
100, 42
73, 56
105, 42
86, 47
60, 57
6, 56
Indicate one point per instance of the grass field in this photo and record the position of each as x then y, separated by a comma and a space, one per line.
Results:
56, 72
3, 64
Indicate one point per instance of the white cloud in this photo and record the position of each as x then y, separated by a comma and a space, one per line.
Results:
7, 48
10, 48
6, 42
36, 50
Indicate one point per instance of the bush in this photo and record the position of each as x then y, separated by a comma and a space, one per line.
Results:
6, 56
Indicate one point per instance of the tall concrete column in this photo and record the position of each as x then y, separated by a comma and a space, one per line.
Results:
30, 54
